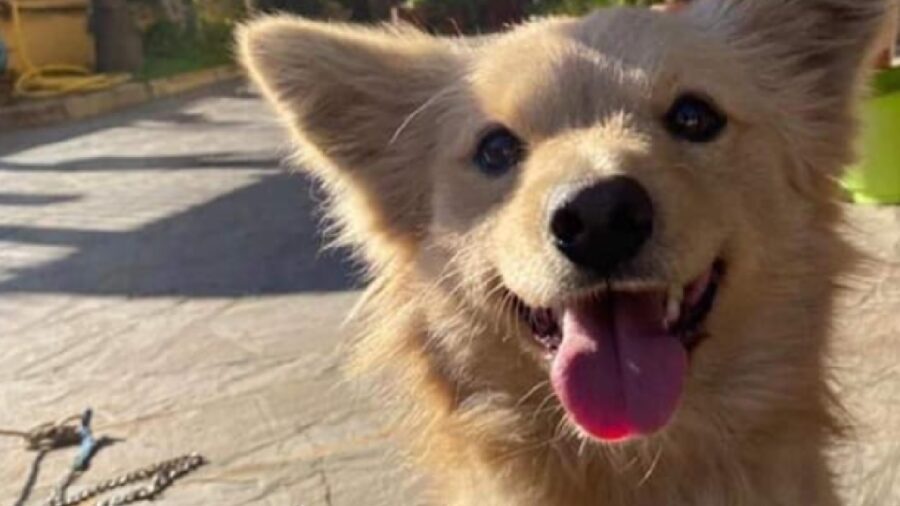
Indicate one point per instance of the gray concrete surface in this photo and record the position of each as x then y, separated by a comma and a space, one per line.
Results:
159, 266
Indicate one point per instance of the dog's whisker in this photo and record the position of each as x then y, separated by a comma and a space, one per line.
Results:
532, 391
549, 397
419, 110
581, 446
652, 468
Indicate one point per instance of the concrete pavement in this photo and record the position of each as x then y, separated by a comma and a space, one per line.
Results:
160, 266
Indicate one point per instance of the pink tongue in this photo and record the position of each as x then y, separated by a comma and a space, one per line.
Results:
618, 372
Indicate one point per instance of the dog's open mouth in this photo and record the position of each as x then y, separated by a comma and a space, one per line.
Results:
619, 355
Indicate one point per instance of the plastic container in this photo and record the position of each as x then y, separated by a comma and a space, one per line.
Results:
877, 179
55, 33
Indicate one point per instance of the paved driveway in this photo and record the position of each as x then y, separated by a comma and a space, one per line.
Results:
159, 266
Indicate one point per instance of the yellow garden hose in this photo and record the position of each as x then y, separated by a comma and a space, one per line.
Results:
54, 80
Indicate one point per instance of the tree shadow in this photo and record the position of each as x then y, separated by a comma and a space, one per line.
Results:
259, 239
31, 480
235, 160
29, 199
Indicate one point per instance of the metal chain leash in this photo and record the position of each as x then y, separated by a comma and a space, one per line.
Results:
163, 475
50, 436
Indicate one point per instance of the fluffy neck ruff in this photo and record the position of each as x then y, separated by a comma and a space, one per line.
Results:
496, 436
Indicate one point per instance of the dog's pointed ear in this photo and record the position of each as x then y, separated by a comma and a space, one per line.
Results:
359, 101
809, 56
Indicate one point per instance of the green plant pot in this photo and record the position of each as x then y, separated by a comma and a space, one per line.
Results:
877, 179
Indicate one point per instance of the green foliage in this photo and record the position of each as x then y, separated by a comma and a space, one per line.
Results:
357, 10
170, 50
219, 11
164, 39
583, 6
467, 11
886, 82
476, 15
454, 5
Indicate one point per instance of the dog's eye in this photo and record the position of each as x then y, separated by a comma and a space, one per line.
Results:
694, 119
499, 151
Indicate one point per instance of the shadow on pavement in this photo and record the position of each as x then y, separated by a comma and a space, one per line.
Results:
165, 109
236, 160
195, 119
29, 199
259, 239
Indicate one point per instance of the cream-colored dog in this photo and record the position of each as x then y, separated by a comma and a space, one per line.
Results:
602, 250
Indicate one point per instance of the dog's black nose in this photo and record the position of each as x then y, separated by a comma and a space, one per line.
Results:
604, 225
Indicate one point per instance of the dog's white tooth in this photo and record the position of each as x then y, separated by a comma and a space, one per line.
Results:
673, 311
673, 305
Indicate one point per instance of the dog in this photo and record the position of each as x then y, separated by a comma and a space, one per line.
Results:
602, 252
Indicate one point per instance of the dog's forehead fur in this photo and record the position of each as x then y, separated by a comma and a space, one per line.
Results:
549, 77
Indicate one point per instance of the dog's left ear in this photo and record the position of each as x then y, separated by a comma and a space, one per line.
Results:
359, 103
809, 57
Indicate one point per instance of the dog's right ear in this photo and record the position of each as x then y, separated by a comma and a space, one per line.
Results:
359, 103
809, 58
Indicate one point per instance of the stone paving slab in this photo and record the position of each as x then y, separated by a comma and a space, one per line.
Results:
158, 265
